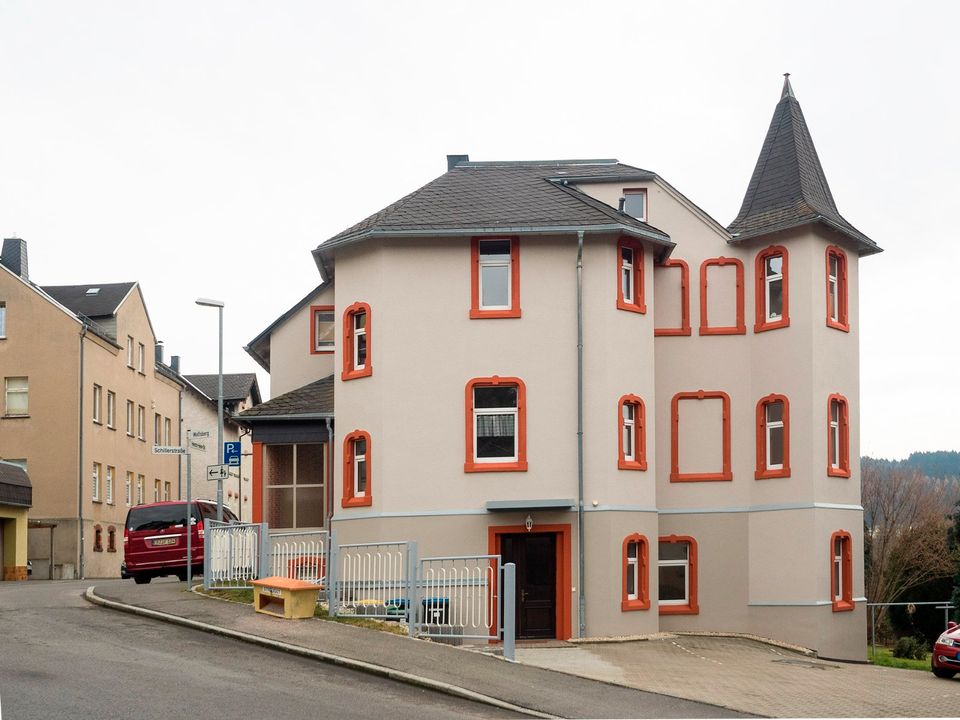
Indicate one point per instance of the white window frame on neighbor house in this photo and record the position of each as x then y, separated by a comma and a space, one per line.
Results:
129, 351
634, 193
140, 482
3, 320
141, 423
130, 418
156, 489
157, 428
97, 404
95, 482
111, 409
140, 358
108, 484
129, 488
17, 388
166, 431
167, 488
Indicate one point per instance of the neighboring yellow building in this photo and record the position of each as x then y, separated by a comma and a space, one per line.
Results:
15, 497
85, 397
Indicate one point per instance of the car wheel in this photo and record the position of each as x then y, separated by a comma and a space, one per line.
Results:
142, 579
943, 673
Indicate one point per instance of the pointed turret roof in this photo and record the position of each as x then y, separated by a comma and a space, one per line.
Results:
788, 188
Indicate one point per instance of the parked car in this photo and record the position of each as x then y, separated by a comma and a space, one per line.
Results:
155, 538
944, 661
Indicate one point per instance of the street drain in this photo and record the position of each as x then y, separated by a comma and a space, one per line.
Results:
807, 664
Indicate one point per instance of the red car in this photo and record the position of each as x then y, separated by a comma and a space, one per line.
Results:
944, 661
155, 539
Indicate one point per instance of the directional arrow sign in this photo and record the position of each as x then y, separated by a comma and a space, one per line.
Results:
169, 450
217, 472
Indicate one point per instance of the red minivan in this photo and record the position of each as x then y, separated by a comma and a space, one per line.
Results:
155, 539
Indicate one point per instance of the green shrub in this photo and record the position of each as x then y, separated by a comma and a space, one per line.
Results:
910, 648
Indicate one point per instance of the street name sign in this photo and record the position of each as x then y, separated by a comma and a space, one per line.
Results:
217, 472
169, 450
198, 446
195, 434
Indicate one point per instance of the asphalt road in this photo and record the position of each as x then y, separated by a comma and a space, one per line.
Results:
61, 657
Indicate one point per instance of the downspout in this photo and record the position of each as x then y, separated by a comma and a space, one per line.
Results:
180, 442
329, 513
582, 555
81, 560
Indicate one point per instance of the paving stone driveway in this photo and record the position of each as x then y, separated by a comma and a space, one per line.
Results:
755, 678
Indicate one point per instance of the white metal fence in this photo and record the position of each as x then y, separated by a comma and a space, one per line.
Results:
459, 596
371, 579
232, 554
299, 555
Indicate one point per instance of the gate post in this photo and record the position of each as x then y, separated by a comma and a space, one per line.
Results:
331, 575
263, 559
207, 555
412, 595
509, 611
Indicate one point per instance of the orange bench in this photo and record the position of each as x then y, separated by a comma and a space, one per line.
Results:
285, 597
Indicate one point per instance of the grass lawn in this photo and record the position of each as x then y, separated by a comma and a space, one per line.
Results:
885, 658
245, 597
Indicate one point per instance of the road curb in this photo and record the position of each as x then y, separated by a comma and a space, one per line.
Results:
350, 663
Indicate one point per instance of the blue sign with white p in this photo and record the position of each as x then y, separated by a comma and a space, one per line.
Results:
231, 454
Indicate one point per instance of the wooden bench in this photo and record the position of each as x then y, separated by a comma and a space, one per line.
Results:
285, 597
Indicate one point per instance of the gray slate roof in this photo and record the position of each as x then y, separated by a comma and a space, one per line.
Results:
236, 386
259, 347
788, 187
315, 398
506, 197
104, 303
15, 487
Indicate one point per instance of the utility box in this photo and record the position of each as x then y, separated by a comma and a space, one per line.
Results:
285, 597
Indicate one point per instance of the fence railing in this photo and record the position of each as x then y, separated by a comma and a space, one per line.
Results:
300, 555
232, 554
371, 579
459, 596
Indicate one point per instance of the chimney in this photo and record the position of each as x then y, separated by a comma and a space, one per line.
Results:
14, 256
158, 351
454, 160
175, 363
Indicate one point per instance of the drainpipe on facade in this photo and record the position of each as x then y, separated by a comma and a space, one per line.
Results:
80, 560
582, 569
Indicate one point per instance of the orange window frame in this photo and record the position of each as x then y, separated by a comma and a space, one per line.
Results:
349, 370
314, 309
638, 305
470, 465
843, 436
684, 328
675, 475
639, 461
843, 321
845, 603
478, 313
693, 600
762, 473
642, 601
762, 325
740, 328
350, 499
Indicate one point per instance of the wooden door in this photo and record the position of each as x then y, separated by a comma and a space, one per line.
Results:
535, 555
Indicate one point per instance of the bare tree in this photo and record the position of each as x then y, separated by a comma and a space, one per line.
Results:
906, 518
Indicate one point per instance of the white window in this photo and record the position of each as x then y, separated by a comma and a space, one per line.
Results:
156, 491
140, 482
359, 320
774, 434
674, 571
17, 396
838, 568
627, 281
323, 329
833, 283
633, 570
629, 431
111, 409
129, 488
360, 467
130, 418
129, 351
773, 287
835, 433
95, 483
3, 319
634, 203
166, 431
166, 491
108, 484
97, 403
157, 424
495, 274
495, 423
140, 353
141, 422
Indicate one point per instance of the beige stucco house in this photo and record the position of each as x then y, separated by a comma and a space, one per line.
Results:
570, 364
84, 401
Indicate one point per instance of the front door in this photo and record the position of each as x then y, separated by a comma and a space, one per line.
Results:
535, 555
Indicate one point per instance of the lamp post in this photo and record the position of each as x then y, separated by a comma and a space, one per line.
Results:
206, 302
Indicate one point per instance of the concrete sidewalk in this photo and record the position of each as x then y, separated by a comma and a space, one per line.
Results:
538, 691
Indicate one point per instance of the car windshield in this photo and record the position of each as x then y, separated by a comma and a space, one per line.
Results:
157, 517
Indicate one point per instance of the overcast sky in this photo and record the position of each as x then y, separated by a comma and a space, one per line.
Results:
204, 148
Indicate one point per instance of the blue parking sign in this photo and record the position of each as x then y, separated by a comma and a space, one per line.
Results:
231, 454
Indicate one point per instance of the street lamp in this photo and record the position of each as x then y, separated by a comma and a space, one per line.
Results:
206, 302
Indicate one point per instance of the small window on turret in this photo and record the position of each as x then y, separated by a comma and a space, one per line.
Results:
772, 283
